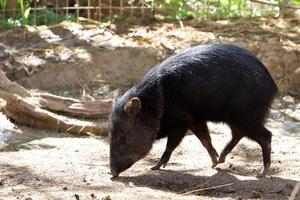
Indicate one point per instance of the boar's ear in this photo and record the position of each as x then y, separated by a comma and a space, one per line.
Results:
133, 106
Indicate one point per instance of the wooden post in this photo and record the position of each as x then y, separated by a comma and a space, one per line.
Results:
143, 5
67, 8
89, 11
208, 10
153, 9
35, 13
14, 12
131, 9
110, 10
3, 12
56, 8
77, 10
121, 8
99, 2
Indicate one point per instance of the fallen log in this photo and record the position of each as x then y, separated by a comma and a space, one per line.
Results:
28, 114
44, 111
73, 107
7, 85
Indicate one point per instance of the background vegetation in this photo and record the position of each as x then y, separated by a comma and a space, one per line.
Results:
36, 12
223, 9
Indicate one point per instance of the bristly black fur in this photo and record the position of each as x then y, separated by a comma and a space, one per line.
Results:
219, 83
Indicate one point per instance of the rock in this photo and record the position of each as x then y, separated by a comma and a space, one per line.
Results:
106, 198
32, 61
276, 115
3, 146
46, 34
6, 128
65, 54
292, 127
77, 197
277, 104
295, 114
93, 196
4, 52
288, 102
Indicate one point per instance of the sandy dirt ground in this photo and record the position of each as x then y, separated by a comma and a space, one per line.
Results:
77, 168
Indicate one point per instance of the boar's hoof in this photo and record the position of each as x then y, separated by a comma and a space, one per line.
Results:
156, 167
114, 178
161, 162
264, 171
261, 174
214, 165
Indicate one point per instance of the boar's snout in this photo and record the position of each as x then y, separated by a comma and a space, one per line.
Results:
119, 165
114, 173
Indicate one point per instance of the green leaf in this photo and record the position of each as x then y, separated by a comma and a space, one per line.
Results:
3, 3
27, 13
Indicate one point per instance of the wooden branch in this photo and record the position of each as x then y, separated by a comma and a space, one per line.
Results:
74, 107
208, 188
42, 110
7, 85
25, 113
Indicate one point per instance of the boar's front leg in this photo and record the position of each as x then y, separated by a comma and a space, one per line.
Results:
202, 133
175, 135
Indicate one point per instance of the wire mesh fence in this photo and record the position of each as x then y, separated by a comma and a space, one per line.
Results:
44, 12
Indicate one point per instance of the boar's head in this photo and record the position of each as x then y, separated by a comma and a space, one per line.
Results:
132, 132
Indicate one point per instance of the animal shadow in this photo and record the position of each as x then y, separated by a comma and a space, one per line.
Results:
220, 185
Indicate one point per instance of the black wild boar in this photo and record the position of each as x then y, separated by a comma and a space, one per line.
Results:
218, 83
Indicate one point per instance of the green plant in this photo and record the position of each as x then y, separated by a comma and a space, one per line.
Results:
48, 17
3, 3
178, 9
218, 9
25, 11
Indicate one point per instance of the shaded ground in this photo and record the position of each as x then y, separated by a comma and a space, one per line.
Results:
59, 168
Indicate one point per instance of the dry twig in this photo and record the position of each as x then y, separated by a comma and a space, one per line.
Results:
208, 188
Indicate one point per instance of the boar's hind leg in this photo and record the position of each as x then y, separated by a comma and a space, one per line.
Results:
236, 137
263, 137
174, 138
201, 131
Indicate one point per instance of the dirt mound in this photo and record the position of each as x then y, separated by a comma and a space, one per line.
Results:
70, 56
